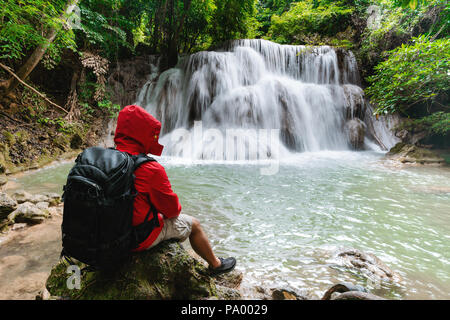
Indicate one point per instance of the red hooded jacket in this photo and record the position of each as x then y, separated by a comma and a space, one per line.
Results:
138, 132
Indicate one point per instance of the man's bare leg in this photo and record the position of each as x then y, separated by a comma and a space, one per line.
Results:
200, 244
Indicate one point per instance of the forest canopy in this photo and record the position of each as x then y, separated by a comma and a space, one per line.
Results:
404, 40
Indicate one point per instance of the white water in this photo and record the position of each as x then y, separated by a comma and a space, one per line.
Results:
307, 93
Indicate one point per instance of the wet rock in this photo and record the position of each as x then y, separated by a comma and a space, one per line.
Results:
367, 264
28, 213
408, 153
231, 280
348, 291
7, 205
288, 294
355, 103
356, 130
165, 272
341, 288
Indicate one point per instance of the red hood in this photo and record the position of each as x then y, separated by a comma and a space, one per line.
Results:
138, 132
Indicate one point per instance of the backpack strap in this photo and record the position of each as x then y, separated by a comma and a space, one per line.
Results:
143, 231
140, 160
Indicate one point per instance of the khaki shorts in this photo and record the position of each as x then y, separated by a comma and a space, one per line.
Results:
179, 228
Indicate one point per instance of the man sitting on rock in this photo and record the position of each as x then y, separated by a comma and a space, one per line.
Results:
138, 133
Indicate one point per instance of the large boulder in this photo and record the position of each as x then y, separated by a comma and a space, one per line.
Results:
165, 272
7, 205
30, 213
408, 153
355, 102
356, 131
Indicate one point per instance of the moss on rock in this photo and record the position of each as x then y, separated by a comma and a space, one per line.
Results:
407, 153
165, 272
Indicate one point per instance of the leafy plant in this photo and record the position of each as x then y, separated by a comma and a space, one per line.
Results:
309, 17
412, 74
23, 25
110, 108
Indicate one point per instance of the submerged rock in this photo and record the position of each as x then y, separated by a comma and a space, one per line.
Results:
288, 294
408, 153
165, 272
348, 291
368, 264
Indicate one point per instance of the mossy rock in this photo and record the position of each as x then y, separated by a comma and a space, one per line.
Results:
61, 141
408, 153
9, 137
162, 273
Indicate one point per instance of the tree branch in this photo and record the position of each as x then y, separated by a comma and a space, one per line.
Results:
31, 88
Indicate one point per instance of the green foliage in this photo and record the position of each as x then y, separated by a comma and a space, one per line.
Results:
89, 106
61, 125
103, 28
413, 74
232, 19
437, 123
412, 4
397, 25
110, 108
24, 24
307, 18
266, 9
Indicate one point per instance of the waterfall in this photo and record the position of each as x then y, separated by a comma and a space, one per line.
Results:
309, 96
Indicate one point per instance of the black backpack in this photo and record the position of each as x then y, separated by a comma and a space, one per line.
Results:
98, 208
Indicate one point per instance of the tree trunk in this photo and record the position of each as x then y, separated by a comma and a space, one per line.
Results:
72, 100
38, 53
170, 58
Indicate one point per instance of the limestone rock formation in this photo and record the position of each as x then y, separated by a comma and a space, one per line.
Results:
356, 130
408, 153
30, 213
7, 205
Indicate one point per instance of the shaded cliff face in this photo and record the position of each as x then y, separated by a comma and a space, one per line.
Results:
128, 77
308, 93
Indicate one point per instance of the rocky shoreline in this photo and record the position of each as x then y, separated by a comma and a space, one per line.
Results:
21, 211
409, 154
167, 272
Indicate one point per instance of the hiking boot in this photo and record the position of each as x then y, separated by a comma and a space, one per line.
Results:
226, 265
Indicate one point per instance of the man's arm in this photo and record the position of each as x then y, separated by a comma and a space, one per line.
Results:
162, 196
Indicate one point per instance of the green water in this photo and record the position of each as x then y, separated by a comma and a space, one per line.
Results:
285, 229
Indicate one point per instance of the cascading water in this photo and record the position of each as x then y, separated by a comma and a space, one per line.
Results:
310, 94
